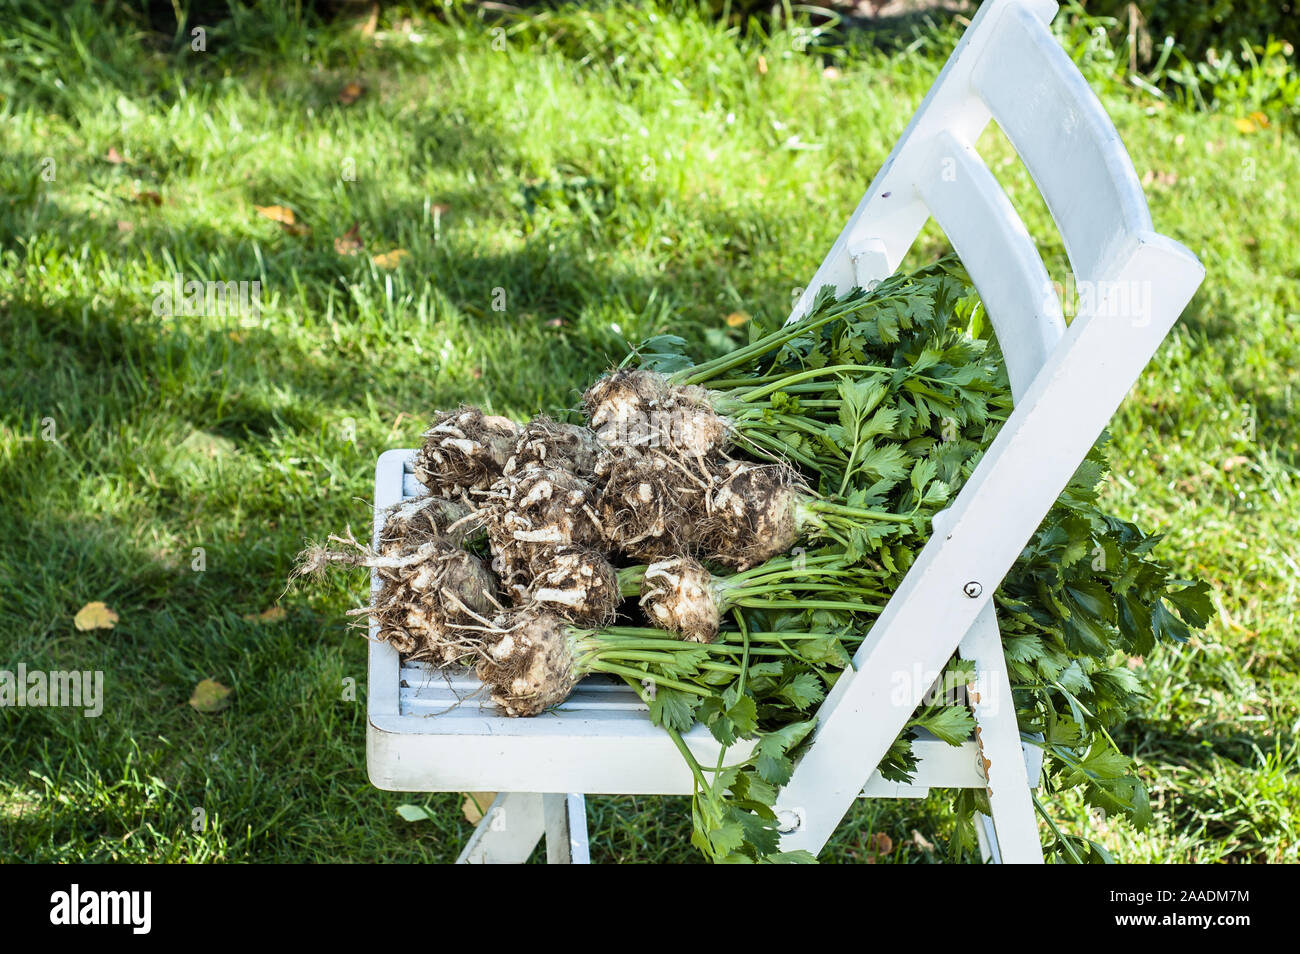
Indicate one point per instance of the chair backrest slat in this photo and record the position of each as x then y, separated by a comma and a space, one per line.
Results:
1066, 141
992, 242
1007, 67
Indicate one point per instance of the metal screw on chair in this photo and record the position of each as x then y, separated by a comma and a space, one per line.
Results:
972, 589
789, 820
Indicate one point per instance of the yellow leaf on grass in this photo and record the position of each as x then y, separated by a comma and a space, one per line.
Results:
367, 26
391, 259
276, 213
272, 615
210, 696
476, 805
1245, 126
1260, 119
736, 319
94, 615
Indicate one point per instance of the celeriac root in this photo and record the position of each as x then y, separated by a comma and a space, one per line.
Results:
650, 503
426, 591
464, 450
753, 515
678, 595
577, 583
526, 514
547, 443
529, 664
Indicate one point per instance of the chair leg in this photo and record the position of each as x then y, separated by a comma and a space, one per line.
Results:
566, 829
988, 839
1012, 831
508, 832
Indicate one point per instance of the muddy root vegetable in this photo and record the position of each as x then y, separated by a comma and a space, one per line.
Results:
529, 664
427, 593
534, 657
691, 426
650, 503
547, 443
621, 405
577, 583
760, 510
753, 515
464, 450
642, 409
424, 519
527, 514
679, 595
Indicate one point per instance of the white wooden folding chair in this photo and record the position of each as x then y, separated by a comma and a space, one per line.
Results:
428, 731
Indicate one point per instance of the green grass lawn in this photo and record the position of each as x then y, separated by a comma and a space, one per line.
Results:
561, 186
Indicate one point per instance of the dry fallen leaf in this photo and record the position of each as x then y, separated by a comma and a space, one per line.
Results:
350, 93
884, 844
925, 844
762, 65
114, 156
149, 198
124, 226
439, 209
1245, 126
210, 696
391, 259
1237, 461
1260, 119
94, 615
476, 805
276, 213
367, 26
736, 319
272, 615
349, 243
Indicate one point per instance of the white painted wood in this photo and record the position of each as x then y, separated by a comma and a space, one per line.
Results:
566, 830
892, 211
508, 832
987, 840
1002, 757
1015, 484
1065, 139
1003, 262
935, 171
1139, 283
